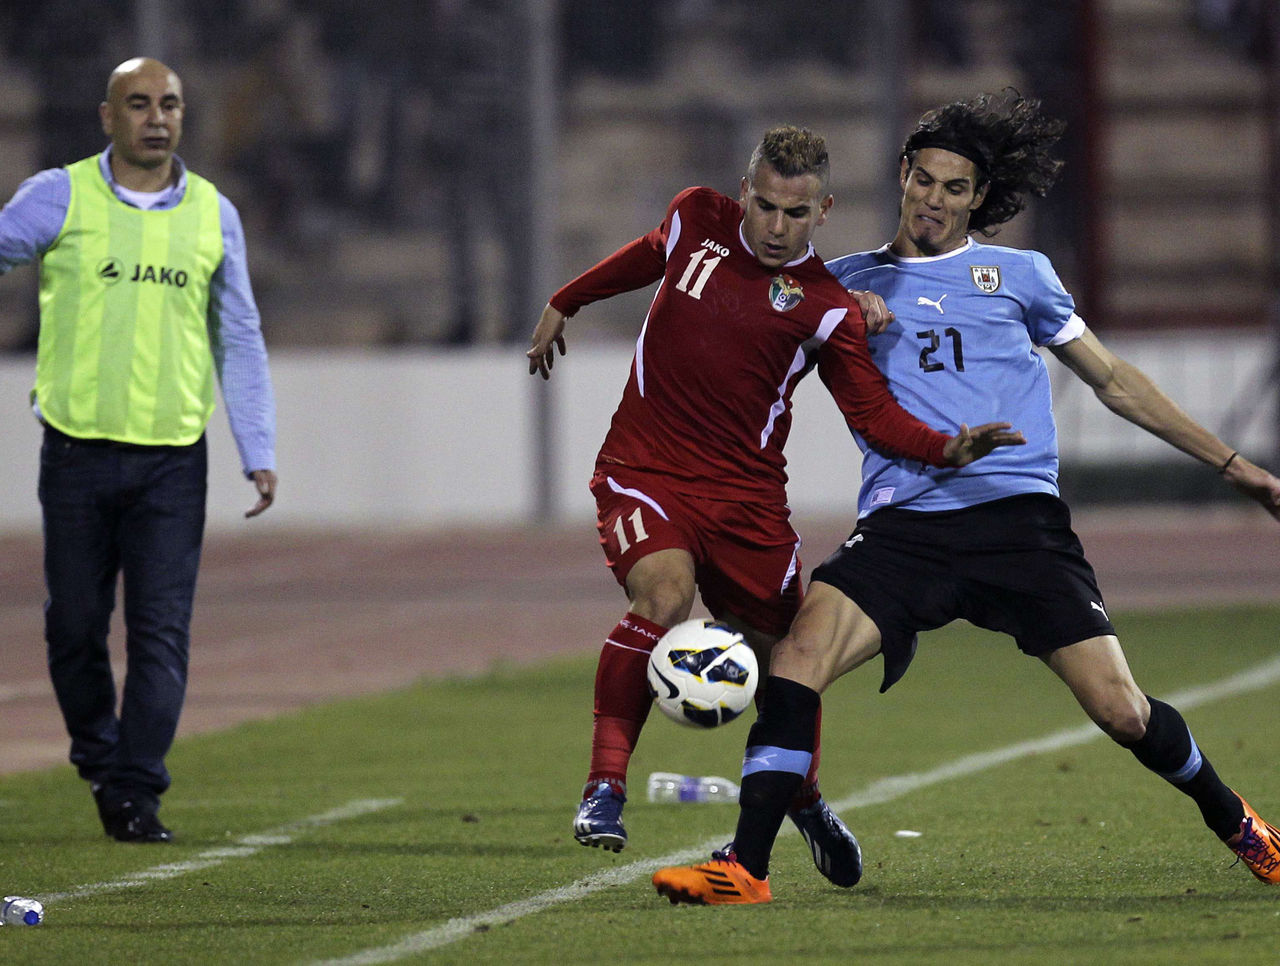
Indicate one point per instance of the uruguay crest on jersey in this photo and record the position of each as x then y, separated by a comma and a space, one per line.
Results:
986, 277
785, 293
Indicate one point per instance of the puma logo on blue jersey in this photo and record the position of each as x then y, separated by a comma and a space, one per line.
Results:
923, 300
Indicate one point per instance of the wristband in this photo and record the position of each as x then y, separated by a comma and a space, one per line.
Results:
1230, 460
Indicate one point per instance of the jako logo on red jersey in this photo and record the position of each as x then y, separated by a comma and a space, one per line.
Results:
785, 293
639, 630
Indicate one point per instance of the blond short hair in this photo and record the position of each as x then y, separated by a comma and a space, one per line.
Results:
792, 151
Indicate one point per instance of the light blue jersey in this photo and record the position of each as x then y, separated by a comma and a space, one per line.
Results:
962, 350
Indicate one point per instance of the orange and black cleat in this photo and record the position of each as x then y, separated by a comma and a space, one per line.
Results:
1258, 845
715, 883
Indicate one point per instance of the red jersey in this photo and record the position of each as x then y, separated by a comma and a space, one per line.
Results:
725, 342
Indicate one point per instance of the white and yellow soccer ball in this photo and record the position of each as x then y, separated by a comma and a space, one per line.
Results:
702, 673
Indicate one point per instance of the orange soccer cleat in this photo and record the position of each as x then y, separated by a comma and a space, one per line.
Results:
714, 883
1258, 845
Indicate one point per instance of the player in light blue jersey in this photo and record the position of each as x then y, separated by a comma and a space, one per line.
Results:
968, 322
991, 542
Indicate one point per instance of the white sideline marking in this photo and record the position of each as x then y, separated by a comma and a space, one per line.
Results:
242, 848
877, 793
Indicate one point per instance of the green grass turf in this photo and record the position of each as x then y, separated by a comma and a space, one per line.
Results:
1075, 856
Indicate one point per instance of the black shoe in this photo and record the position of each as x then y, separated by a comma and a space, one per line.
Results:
836, 852
128, 822
99, 798
134, 825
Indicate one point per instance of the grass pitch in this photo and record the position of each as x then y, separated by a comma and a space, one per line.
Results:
433, 825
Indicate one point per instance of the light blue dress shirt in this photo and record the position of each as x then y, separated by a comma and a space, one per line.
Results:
31, 222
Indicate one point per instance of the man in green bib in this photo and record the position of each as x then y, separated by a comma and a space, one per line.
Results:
144, 297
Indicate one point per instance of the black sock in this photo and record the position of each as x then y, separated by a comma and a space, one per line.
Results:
783, 732
1168, 749
1219, 805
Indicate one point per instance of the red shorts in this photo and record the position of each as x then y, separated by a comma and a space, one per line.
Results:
746, 555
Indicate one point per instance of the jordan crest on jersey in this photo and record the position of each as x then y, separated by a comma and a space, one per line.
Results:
986, 277
785, 293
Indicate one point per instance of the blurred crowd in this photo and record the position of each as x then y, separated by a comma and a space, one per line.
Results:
317, 118
328, 117
303, 102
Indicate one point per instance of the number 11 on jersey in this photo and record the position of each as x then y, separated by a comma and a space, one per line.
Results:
637, 529
707, 268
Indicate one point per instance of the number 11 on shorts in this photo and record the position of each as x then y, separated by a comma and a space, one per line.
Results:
637, 531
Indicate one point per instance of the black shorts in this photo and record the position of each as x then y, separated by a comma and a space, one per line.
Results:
1011, 565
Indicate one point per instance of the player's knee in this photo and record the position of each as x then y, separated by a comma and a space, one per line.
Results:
799, 657
664, 602
794, 648
1124, 721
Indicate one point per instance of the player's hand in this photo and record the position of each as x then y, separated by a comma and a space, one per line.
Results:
547, 333
874, 310
973, 444
1256, 483
265, 482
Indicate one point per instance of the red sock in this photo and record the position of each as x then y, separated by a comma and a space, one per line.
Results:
622, 699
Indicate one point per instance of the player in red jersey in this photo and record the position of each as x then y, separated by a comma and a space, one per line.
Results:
690, 480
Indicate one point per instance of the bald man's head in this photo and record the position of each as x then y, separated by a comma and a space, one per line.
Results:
136, 66
143, 117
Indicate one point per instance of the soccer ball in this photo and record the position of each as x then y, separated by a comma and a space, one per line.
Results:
702, 673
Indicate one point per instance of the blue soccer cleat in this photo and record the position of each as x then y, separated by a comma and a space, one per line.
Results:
836, 852
599, 819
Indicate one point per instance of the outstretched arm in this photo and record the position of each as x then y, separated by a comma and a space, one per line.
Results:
1129, 392
634, 265
547, 333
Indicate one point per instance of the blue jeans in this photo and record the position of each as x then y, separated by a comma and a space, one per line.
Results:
110, 510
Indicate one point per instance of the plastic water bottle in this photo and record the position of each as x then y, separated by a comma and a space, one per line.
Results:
665, 786
17, 911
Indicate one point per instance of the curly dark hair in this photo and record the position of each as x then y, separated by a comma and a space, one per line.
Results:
1008, 139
